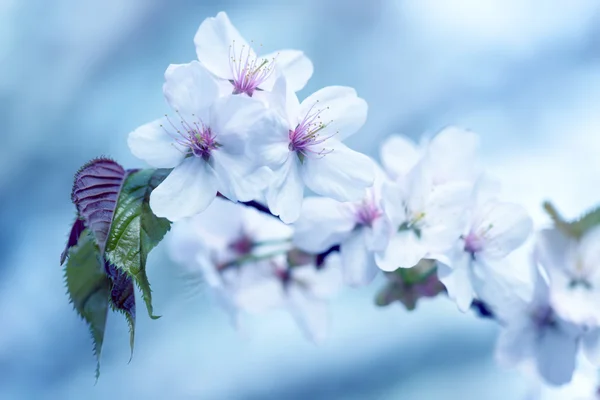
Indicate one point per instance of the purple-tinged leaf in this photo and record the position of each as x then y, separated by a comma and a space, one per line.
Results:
76, 231
122, 297
95, 193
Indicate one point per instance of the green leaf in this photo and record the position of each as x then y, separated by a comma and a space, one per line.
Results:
559, 222
577, 228
89, 288
135, 230
586, 222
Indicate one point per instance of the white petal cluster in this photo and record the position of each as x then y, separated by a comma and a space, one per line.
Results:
242, 255
237, 128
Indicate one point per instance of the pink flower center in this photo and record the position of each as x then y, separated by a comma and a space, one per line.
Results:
367, 212
473, 243
248, 71
195, 136
475, 240
242, 245
307, 136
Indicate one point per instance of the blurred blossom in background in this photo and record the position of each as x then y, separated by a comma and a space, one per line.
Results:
77, 76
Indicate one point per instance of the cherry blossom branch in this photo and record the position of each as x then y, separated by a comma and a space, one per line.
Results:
479, 307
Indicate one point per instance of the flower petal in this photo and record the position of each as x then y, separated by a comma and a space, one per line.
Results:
268, 140
457, 281
286, 191
507, 225
322, 283
311, 314
239, 180
403, 251
214, 40
399, 155
555, 252
448, 203
323, 223
184, 244
340, 108
378, 234
343, 174
445, 215
555, 355
264, 228
591, 346
217, 289
256, 293
294, 65
221, 222
187, 191
392, 200
152, 143
516, 342
190, 89
576, 304
283, 101
233, 118
358, 263
452, 154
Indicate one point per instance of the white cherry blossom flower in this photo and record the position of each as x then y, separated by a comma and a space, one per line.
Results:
302, 144
573, 267
205, 144
495, 230
359, 228
532, 332
209, 244
227, 55
241, 254
428, 202
425, 219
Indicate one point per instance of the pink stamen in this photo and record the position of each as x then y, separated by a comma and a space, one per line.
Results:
197, 137
242, 245
248, 72
306, 135
367, 212
475, 240
473, 243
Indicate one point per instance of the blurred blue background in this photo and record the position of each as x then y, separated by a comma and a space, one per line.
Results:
77, 76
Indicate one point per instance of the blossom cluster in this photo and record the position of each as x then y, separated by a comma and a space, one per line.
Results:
244, 149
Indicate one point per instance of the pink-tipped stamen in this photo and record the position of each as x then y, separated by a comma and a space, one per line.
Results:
307, 136
367, 212
248, 72
196, 137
